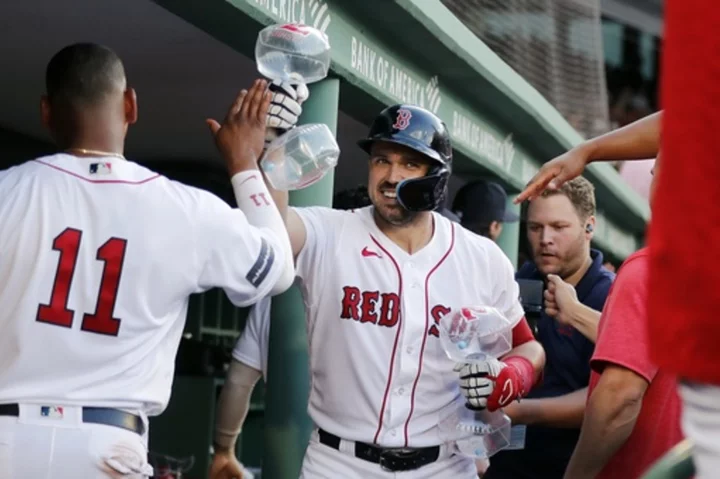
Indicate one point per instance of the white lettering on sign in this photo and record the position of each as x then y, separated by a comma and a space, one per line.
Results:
393, 79
314, 13
500, 152
528, 171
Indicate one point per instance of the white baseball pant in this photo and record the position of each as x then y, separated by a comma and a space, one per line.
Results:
54, 447
324, 462
701, 424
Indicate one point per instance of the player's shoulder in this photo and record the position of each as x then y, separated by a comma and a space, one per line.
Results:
20, 170
191, 197
21, 175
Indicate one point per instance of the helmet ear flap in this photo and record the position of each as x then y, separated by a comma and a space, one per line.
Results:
425, 193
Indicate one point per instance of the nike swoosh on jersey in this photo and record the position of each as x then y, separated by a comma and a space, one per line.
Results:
367, 253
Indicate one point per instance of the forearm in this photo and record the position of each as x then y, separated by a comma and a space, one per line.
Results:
280, 198
533, 352
638, 140
585, 320
253, 198
234, 404
609, 420
564, 411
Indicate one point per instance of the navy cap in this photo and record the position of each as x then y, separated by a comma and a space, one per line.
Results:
482, 202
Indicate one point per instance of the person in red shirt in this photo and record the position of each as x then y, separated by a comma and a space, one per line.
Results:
632, 417
685, 278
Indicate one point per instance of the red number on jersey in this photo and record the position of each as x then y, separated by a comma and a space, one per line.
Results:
57, 312
102, 321
112, 253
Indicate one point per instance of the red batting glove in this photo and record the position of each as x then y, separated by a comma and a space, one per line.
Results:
513, 382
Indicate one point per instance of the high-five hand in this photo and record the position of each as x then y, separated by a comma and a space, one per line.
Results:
241, 137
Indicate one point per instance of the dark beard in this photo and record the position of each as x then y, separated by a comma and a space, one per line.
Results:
403, 218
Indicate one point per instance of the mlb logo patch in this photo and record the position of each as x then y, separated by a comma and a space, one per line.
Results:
52, 412
100, 168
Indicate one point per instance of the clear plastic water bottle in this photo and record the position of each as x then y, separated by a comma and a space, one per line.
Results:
476, 334
292, 53
300, 157
296, 54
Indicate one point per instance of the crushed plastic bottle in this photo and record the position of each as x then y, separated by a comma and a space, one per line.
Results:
300, 157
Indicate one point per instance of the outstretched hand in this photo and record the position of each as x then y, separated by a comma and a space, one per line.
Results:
241, 136
554, 173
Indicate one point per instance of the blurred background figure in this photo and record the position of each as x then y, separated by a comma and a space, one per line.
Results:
637, 174
481, 207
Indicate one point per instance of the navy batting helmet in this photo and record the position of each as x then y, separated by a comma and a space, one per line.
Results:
425, 133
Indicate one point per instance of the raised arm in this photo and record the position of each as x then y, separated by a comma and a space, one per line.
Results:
285, 110
240, 140
637, 141
293, 223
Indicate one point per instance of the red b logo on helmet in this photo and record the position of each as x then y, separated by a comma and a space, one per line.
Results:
402, 120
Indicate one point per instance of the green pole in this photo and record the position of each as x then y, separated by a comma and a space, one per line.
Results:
509, 239
287, 425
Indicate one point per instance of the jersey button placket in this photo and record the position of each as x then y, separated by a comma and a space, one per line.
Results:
413, 327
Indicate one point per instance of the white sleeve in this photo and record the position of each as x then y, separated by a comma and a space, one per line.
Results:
319, 228
506, 292
232, 254
252, 345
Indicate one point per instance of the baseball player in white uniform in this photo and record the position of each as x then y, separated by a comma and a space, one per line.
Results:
98, 257
375, 281
249, 363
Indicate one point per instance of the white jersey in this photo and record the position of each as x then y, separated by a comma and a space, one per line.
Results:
251, 348
378, 371
97, 260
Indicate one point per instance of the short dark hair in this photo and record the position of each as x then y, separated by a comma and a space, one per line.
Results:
83, 74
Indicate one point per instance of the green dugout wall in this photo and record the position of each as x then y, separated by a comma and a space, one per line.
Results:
387, 52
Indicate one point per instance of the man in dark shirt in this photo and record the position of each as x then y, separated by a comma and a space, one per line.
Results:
560, 228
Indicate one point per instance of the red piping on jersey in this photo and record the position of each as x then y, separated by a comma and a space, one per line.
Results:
427, 326
124, 182
397, 338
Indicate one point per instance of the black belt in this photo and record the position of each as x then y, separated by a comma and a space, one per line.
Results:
94, 415
390, 459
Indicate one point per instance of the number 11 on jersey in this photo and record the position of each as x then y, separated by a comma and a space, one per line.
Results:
56, 312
